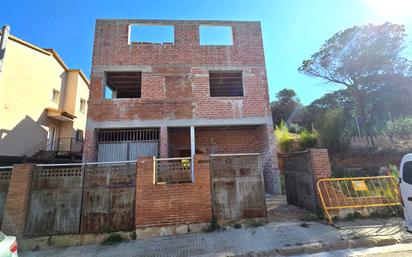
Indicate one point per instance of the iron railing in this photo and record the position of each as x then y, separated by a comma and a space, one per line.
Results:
65, 144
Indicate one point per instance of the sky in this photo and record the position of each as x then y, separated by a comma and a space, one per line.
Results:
292, 29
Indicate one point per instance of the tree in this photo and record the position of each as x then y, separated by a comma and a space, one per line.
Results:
332, 130
285, 107
357, 56
312, 114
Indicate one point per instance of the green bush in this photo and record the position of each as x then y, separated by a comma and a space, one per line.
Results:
354, 216
254, 223
393, 170
308, 139
213, 226
237, 226
284, 138
295, 128
113, 239
398, 127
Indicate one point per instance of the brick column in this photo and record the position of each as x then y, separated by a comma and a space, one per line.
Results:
320, 163
17, 201
164, 143
89, 146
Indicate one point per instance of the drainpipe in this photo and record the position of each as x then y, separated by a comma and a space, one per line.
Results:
4, 36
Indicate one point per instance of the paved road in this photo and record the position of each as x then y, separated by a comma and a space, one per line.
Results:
398, 250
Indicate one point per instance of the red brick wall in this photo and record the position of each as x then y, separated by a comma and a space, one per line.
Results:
154, 86
111, 45
172, 204
179, 72
214, 140
17, 201
175, 83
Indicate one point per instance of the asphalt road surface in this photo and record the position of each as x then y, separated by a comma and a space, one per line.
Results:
398, 250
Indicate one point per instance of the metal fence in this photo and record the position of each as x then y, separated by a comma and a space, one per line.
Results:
299, 181
55, 201
173, 170
81, 198
237, 186
108, 202
357, 192
127, 144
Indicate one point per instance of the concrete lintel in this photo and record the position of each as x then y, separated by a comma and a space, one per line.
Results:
215, 66
175, 22
103, 68
91, 125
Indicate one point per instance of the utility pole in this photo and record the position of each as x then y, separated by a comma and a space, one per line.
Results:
357, 125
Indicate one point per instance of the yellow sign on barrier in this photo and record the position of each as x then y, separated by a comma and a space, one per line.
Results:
357, 192
359, 185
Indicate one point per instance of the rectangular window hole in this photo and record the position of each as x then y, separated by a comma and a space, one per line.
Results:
151, 34
55, 95
215, 35
225, 83
123, 84
82, 105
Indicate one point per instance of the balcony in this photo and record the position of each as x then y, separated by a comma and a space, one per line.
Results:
63, 147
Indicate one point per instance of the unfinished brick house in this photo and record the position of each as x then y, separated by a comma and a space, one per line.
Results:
181, 96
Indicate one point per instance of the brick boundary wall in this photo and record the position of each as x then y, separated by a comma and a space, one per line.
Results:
320, 164
17, 201
172, 204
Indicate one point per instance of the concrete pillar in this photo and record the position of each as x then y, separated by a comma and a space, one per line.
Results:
164, 143
17, 202
192, 150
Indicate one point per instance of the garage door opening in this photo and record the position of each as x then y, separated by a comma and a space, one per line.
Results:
127, 144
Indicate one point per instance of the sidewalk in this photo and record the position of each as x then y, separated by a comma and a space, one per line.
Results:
269, 240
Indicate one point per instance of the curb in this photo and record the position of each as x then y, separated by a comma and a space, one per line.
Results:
332, 246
